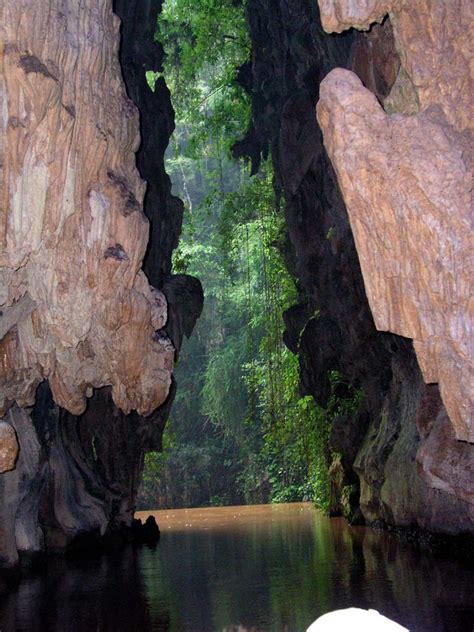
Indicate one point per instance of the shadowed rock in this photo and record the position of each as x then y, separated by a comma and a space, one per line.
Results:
332, 328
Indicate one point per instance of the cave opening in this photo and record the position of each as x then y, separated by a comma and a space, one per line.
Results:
244, 427
237, 360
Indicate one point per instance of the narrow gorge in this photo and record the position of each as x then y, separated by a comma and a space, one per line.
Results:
365, 111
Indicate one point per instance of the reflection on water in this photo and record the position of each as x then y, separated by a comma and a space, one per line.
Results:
246, 569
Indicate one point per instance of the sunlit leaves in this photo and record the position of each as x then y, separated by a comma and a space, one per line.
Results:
206, 41
243, 431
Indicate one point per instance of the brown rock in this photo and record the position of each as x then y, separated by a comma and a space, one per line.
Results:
8, 447
428, 409
406, 183
339, 15
447, 464
430, 34
77, 308
396, 489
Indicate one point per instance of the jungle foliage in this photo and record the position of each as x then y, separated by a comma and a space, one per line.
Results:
240, 431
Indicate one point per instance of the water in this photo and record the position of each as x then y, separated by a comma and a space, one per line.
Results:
255, 569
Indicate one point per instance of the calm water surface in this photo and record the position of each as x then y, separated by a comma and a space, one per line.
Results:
236, 569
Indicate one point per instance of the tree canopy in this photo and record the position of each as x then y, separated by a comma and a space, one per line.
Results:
240, 431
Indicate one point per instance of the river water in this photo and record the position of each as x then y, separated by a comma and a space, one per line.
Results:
246, 569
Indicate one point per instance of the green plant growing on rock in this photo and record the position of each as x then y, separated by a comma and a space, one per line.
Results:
241, 430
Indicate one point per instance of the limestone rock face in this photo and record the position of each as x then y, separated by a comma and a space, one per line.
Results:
20, 493
445, 463
406, 183
389, 448
412, 471
76, 477
76, 308
8, 447
331, 329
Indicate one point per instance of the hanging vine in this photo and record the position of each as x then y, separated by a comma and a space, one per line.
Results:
238, 412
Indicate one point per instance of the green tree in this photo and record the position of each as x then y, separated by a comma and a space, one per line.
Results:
240, 430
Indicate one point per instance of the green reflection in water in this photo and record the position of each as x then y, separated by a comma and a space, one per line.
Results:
278, 568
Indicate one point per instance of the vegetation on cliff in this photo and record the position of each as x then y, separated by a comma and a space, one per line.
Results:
240, 431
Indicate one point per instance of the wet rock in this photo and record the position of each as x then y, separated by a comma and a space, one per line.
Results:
394, 490
136, 528
151, 533
147, 533
344, 443
445, 463
76, 478
20, 493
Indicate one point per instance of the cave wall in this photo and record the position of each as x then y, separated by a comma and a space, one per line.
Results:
140, 51
75, 478
72, 483
332, 328
77, 309
404, 166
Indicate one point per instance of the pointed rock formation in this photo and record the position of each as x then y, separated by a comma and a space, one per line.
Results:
406, 179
